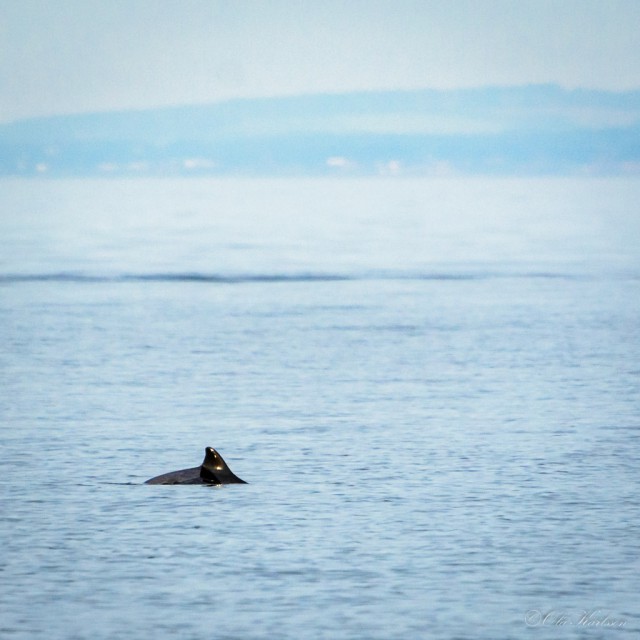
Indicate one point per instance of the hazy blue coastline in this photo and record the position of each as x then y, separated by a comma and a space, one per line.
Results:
527, 130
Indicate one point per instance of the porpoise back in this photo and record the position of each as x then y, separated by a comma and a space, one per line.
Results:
213, 471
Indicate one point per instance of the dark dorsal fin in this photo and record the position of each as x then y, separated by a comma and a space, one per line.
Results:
208, 476
214, 469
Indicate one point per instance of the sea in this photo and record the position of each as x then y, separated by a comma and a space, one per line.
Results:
430, 385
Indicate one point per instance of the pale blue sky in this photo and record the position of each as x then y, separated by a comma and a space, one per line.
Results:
69, 56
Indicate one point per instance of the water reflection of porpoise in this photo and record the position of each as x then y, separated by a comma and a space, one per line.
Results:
213, 470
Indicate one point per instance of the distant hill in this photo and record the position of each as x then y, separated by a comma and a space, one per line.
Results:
529, 130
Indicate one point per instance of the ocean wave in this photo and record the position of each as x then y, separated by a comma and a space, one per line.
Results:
221, 278
169, 277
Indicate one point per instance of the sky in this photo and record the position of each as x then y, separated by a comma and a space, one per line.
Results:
75, 56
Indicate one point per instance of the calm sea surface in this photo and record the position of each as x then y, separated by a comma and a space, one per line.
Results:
431, 386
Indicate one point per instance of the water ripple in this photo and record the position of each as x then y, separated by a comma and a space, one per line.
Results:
243, 278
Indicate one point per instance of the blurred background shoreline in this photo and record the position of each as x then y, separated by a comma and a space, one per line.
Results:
534, 130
